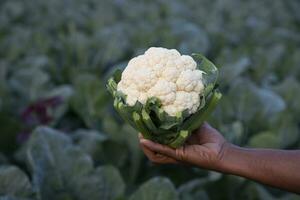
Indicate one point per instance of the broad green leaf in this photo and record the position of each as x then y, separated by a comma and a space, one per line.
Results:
113, 187
157, 188
89, 99
104, 183
62, 171
90, 141
111, 127
192, 37
121, 149
114, 153
193, 189
233, 132
179, 139
29, 83
200, 194
272, 103
9, 130
286, 129
113, 42
265, 140
211, 71
289, 89
132, 168
141, 126
14, 182
231, 71
63, 93
200, 116
256, 191
250, 104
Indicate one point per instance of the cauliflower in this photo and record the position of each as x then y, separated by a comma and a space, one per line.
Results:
165, 74
165, 95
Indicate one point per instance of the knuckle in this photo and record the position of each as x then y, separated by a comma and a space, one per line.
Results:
180, 153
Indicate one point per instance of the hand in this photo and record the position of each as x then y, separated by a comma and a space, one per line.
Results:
207, 148
204, 148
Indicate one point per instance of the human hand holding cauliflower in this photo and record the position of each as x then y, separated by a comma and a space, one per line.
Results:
204, 148
165, 95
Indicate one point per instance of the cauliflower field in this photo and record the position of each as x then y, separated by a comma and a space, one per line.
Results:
60, 137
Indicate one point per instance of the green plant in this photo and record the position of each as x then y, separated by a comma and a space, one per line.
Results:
54, 56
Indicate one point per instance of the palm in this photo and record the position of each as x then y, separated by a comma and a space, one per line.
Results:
203, 149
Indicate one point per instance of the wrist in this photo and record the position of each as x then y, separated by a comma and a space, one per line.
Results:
235, 160
225, 157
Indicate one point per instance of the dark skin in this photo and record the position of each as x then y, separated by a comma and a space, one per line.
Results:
207, 148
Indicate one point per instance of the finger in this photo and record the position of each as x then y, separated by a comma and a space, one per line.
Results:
200, 135
165, 160
159, 148
206, 134
156, 157
140, 136
150, 154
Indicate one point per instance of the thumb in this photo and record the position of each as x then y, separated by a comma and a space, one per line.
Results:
159, 148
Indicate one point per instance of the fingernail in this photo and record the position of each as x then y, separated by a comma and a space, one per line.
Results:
143, 141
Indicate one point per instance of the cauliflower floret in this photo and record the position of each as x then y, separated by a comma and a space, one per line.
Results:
138, 61
190, 81
164, 90
186, 62
132, 95
144, 79
143, 97
170, 74
157, 69
184, 100
165, 74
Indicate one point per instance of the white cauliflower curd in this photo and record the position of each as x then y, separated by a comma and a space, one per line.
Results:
166, 74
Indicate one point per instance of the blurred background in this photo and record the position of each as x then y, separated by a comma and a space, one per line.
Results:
60, 139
